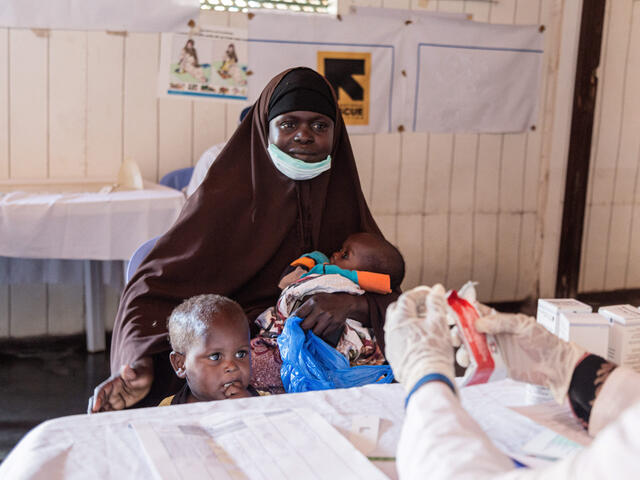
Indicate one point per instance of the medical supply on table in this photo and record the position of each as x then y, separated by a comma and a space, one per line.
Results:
549, 310
624, 335
548, 314
589, 330
485, 361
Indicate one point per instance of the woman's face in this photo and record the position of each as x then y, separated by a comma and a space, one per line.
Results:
307, 136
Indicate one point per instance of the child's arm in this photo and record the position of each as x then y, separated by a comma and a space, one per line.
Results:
368, 281
300, 266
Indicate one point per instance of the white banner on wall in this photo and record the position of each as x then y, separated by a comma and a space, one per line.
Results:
359, 64
211, 64
408, 70
118, 15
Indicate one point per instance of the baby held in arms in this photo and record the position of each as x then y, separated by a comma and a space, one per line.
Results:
209, 337
365, 263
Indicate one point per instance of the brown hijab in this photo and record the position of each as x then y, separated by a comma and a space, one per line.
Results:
235, 236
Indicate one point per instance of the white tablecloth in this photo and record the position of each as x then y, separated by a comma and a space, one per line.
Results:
104, 446
96, 226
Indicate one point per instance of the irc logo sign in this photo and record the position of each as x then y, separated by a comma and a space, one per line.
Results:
349, 73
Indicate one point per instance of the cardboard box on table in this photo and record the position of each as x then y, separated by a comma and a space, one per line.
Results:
549, 309
624, 335
589, 330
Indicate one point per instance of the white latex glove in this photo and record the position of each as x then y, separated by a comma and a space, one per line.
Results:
531, 352
417, 342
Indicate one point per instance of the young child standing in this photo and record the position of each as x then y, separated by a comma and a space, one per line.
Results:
209, 337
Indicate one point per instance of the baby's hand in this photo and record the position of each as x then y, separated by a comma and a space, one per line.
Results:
236, 390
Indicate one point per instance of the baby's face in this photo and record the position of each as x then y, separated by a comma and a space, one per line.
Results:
219, 359
355, 249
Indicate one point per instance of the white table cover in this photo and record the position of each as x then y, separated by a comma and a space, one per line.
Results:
104, 446
96, 226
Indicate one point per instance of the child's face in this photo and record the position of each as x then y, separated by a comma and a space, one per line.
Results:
219, 361
355, 249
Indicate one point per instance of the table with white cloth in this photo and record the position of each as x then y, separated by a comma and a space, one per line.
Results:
106, 445
84, 220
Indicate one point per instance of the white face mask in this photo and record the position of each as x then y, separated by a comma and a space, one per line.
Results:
297, 169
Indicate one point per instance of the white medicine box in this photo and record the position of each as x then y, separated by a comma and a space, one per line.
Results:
549, 310
589, 330
624, 335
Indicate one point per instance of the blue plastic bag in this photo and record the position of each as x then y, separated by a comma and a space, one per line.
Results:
309, 363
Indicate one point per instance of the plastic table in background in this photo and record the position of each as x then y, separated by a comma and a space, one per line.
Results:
82, 220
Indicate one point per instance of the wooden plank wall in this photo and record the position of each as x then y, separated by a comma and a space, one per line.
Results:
611, 242
459, 206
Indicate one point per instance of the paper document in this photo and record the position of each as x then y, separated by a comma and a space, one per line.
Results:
246, 445
549, 444
558, 418
511, 432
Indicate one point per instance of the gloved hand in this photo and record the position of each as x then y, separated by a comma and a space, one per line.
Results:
532, 353
418, 343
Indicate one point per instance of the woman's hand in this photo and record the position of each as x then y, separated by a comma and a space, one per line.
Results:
124, 389
327, 312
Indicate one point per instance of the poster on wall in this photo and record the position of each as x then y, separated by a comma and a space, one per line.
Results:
350, 75
359, 66
209, 65
472, 76
401, 70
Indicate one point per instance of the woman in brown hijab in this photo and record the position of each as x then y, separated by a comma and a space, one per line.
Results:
272, 194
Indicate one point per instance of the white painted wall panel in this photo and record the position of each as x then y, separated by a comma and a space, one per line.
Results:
28, 110
174, 134
527, 274
503, 12
209, 121
412, 173
387, 224
140, 103
438, 182
105, 96
4, 103
463, 171
611, 90
387, 162
619, 233
610, 255
67, 104
633, 270
409, 242
362, 146
435, 239
485, 247
508, 257
460, 246
511, 172
488, 173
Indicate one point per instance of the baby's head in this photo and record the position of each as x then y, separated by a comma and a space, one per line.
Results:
209, 335
371, 253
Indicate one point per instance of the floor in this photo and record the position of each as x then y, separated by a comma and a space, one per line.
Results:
44, 379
